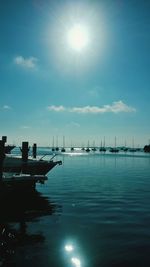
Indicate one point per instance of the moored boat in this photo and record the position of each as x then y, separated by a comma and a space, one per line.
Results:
102, 147
88, 148
63, 148
114, 149
9, 148
31, 166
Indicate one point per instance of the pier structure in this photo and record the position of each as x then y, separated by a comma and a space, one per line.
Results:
9, 180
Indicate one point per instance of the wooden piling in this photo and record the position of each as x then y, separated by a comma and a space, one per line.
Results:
25, 150
4, 139
2, 156
34, 151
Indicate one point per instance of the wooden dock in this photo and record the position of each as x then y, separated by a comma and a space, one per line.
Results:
21, 181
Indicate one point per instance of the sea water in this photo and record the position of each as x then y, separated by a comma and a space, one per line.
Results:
94, 211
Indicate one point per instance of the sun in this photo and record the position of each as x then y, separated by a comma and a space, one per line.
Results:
78, 37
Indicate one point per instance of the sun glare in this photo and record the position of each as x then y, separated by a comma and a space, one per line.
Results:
75, 36
78, 37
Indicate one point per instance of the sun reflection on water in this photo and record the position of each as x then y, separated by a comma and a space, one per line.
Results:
69, 248
76, 262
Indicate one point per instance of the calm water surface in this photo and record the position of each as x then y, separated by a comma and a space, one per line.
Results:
94, 211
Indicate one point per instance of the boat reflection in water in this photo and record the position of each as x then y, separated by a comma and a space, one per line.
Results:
18, 209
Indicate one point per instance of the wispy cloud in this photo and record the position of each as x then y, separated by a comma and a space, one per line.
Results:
6, 107
25, 127
93, 93
56, 108
116, 107
29, 63
75, 124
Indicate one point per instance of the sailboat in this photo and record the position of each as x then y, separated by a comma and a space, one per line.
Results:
125, 149
57, 148
94, 148
53, 148
72, 147
102, 148
114, 149
132, 149
82, 147
63, 148
87, 149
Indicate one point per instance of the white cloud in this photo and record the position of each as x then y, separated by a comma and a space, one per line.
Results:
29, 63
86, 109
56, 108
116, 107
25, 127
6, 107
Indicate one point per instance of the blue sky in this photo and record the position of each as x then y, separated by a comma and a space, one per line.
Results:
50, 89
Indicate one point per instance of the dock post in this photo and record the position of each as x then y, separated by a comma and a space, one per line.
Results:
2, 156
34, 151
25, 151
4, 139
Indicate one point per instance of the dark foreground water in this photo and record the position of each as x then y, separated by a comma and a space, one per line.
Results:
94, 211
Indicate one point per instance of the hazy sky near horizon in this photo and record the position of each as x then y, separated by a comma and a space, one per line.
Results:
51, 88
